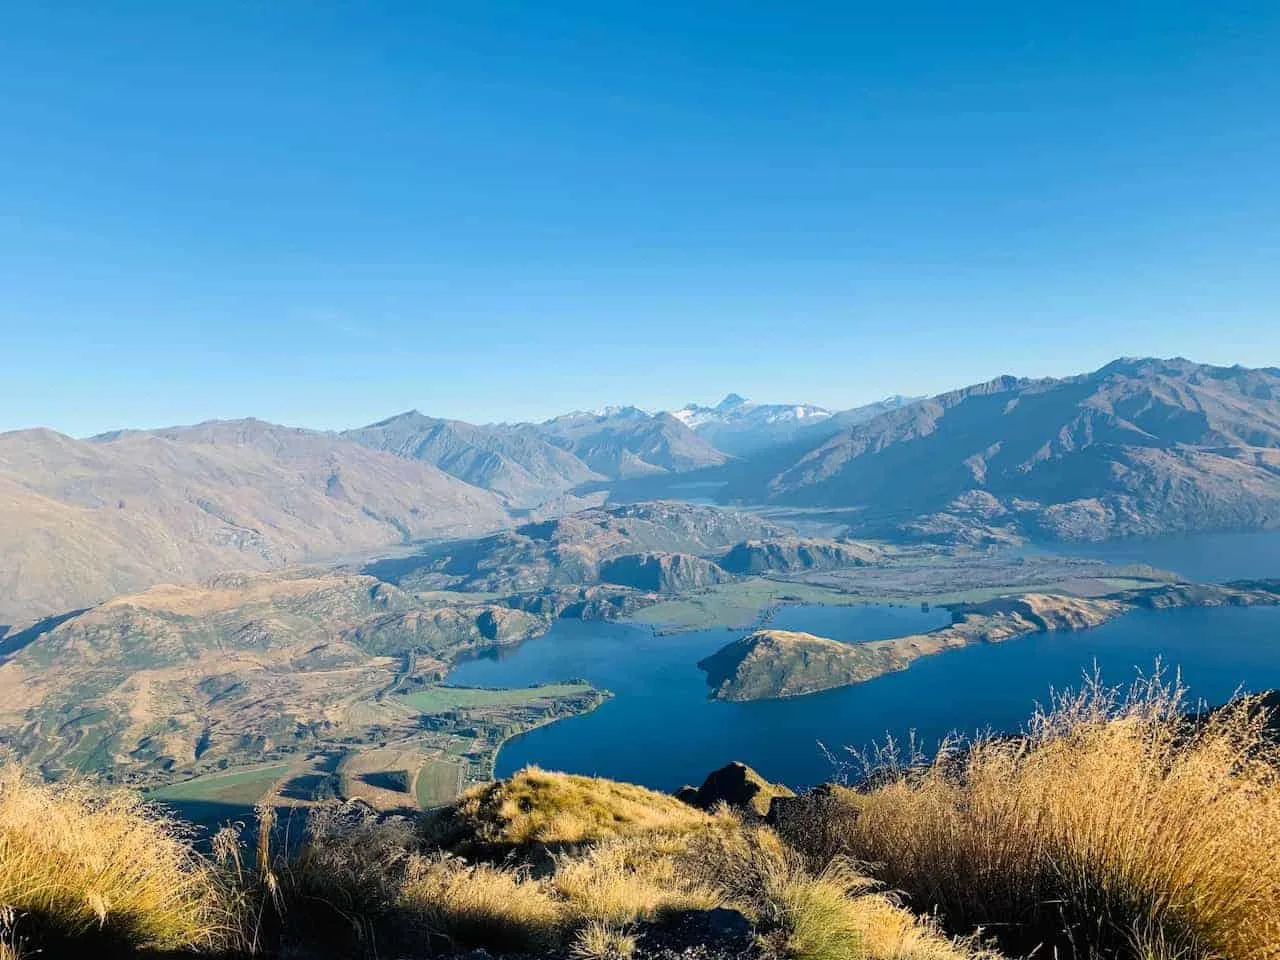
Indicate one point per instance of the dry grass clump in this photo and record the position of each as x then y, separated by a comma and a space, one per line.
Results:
831, 915
343, 881
600, 941
632, 878
466, 905
1114, 827
537, 807
360, 884
91, 867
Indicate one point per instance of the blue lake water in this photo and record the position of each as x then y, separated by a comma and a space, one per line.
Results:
1203, 557
662, 731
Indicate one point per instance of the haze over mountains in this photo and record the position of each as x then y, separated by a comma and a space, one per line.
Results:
1139, 446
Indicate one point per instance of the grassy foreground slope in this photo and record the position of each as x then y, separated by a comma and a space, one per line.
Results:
1115, 827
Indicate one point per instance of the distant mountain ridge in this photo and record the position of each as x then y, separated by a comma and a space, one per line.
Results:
1138, 446
528, 464
83, 520
514, 461
737, 426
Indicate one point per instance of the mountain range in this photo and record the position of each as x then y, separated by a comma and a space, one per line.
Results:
83, 520
1140, 446
740, 427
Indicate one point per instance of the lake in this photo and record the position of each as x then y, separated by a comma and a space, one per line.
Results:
661, 730
1203, 557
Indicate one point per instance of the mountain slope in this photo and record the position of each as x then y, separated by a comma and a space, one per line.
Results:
627, 442
512, 460
661, 543
1139, 446
84, 520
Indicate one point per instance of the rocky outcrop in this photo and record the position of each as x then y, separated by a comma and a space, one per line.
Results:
601, 602
738, 786
578, 550
662, 572
796, 555
446, 629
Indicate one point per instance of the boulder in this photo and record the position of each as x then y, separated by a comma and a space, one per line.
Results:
741, 788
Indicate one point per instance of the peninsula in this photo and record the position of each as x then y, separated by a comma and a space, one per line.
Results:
771, 664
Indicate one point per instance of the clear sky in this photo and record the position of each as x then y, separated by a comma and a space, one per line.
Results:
325, 213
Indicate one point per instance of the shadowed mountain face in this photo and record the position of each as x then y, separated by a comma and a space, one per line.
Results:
1139, 446
513, 460
84, 520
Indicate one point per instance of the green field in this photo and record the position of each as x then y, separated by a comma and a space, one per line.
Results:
438, 782
233, 787
735, 604
1105, 585
444, 699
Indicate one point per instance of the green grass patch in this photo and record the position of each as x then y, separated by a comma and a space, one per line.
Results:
982, 594
735, 604
438, 782
235, 786
445, 699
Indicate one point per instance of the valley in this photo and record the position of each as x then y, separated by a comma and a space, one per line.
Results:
216, 632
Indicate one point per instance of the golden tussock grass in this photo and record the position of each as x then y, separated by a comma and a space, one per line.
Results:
1115, 827
84, 865
834, 914
480, 905
632, 878
600, 941
537, 807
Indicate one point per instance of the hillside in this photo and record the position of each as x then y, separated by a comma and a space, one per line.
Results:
244, 668
513, 460
625, 442
1112, 826
768, 664
81, 521
645, 545
1137, 447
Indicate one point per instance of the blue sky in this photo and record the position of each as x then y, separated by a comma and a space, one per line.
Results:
326, 213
